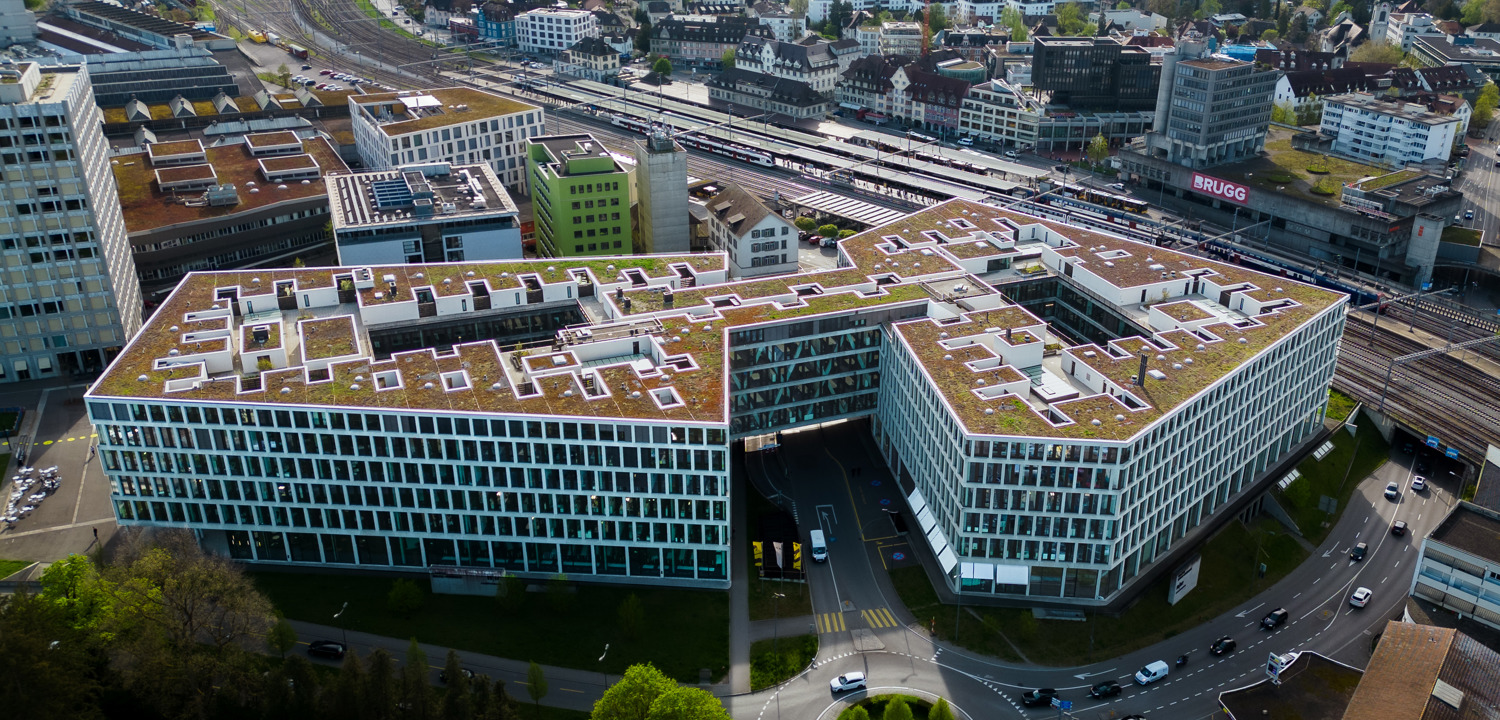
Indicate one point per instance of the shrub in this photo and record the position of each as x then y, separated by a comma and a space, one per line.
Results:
405, 598
805, 224
829, 230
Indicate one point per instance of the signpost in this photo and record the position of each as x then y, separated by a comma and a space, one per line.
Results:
1184, 580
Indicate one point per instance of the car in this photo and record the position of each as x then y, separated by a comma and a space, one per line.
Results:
1223, 646
1039, 696
1011, 154
966, 141
1274, 619
1060, 168
1392, 491
814, 239
1357, 552
326, 649
1418, 484
1457, 219
1468, 214
306, 67
1398, 528
847, 682
1108, 688
1151, 673
1116, 186
309, 82
322, 86
827, 242
1361, 597
467, 673
325, 71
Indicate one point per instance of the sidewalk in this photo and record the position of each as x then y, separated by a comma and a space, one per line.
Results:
567, 688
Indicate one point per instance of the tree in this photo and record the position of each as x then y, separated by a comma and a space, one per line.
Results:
643, 37
1283, 112
727, 59
1011, 17
378, 693
799, 6
1376, 53
405, 598
344, 701
1271, 36
937, 19
1071, 19
502, 705
1098, 150
458, 704
1310, 112
897, 710
845, 233
1122, 5
415, 692
1341, 7
854, 712
631, 697
805, 224
828, 230
632, 616
284, 76
941, 711
282, 637
1484, 105
1473, 12
689, 703
662, 67
536, 684
44, 662
1209, 8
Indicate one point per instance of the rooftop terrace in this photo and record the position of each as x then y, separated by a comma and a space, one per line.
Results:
399, 113
1285, 170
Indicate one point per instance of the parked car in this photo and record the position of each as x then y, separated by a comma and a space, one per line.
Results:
966, 141
326, 649
1108, 688
1011, 154
1468, 214
1392, 491
1361, 597
1398, 528
1151, 673
467, 673
827, 242
847, 682
325, 72
1418, 484
306, 67
1039, 696
1223, 645
1274, 619
1357, 553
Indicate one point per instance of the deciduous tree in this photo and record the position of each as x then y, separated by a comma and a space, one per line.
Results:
631, 697
662, 67
1098, 149
536, 684
1071, 19
282, 637
405, 598
44, 661
1376, 53
727, 59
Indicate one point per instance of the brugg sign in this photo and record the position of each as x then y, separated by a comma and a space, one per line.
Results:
1221, 189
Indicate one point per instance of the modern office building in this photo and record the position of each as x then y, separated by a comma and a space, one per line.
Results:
188, 207
1387, 131
661, 203
1459, 564
423, 214
1403, 28
70, 299
1086, 73
1003, 113
1210, 110
580, 197
901, 38
1067, 412
17, 23
757, 240
550, 31
458, 126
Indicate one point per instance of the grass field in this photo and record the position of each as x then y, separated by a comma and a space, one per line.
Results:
1228, 575
778, 659
764, 605
1339, 405
1333, 476
683, 631
11, 567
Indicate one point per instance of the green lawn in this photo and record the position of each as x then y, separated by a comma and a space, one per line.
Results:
1227, 577
684, 630
1462, 236
1334, 477
1339, 405
779, 659
11, 567
876, 706
764, 605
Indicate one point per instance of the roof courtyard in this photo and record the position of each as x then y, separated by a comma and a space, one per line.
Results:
1288, 171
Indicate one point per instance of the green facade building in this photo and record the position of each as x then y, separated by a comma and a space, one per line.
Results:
580, 197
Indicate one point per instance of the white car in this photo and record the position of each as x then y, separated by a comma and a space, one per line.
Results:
847, 682
1361, 597
1116, 186
1418, 484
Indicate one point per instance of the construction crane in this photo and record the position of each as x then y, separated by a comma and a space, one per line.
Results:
926, 28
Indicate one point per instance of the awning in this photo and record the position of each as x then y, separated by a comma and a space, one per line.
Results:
916, 501
976, 571
926, 520
1012, 575
937, 541
947, 559
850, 106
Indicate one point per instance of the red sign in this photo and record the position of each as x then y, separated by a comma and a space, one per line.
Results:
1221, 189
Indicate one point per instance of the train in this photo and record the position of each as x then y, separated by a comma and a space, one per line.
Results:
715, 146
1256, 261
1104, 199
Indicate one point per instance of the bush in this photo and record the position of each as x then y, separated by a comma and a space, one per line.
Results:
829, 230
1326, 186
806, 224
405, 598
770, 666
846, 232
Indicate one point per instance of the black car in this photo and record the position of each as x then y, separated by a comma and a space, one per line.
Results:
1357, 553
326, 649
443, 675
1398, 528
1223, 646
1274, 619
1108, 688
1039, 696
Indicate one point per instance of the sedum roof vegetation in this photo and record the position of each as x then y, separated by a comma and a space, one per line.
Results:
478, 106
877, 272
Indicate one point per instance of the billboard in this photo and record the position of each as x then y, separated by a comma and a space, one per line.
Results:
1222, 189
1184, 580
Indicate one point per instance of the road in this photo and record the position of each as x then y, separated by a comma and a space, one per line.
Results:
851, 595
1480, 184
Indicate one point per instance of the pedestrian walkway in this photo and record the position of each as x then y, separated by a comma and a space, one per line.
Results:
831, 622
879, 618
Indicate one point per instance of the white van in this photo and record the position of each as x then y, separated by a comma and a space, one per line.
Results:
1011, 154
1151, 673
819, 546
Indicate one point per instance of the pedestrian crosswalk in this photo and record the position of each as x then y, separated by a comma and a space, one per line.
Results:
830, 622
879, 618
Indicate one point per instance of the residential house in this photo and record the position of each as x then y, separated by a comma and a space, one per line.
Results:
1131, 20
1450, 79
1309, 15
609, 23
867, 83
756, 238
497, 22
768, 93
590, 58
1402, 28
698, 44
1387, 131
785, 25
868, 37
1228, 20
436, 13
1487, 30
714, 8
1340, 37
657, 11
550, 31
811, 62
1300, 87
927, 100
1292, 60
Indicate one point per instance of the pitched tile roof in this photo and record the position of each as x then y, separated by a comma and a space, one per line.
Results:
1329, 82
1400, 677
732, 201
782, 90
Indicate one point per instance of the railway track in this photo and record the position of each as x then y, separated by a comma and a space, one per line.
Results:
1442, 395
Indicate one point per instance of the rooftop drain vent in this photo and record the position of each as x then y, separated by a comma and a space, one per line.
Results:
1200, 346
142, 378
286, 391
1187, 361
173, 328
469, 274
173, 352
495, 386
355, 386
1243, 341
635, 395
1095, 422
1161, 358
989, 411
947, 357
1176, 366
1119, 418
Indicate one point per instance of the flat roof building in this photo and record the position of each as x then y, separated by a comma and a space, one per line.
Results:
1094, 73
1387, 132
1077, 476
580, 197
459, 126
423, 213
70, 299
1210, 110
189, 207
1459, 560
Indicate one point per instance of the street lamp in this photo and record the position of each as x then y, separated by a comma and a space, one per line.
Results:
601, 660
345, 631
